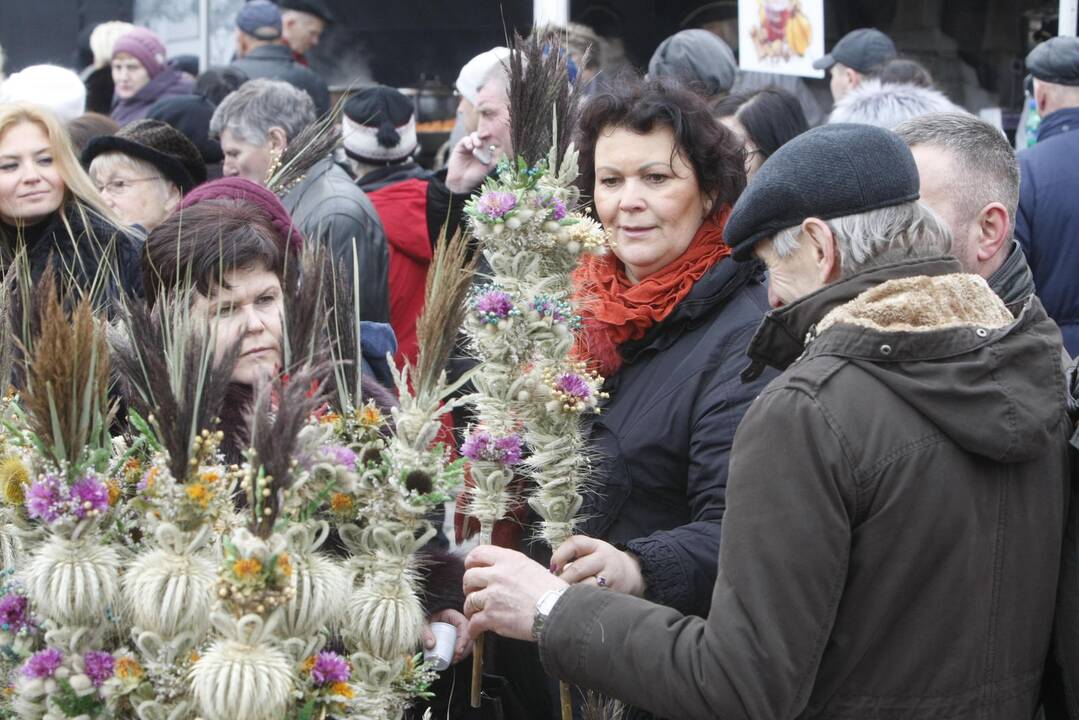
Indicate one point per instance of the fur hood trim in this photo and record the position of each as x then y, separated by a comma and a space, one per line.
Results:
923, 303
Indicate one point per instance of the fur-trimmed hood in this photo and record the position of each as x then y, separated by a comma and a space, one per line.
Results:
942, 342
887, 105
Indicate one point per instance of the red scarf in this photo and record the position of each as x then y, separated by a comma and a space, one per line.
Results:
615, 310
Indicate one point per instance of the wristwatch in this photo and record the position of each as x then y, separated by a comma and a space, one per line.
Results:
544, 607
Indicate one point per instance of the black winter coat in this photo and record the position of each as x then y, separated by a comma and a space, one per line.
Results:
664, 438
77, 248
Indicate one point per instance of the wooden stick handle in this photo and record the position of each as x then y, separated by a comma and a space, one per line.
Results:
566, 699
477, 671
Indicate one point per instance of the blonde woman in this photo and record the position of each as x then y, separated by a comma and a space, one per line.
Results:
50, 208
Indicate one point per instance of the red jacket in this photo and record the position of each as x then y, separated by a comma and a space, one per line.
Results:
402, 207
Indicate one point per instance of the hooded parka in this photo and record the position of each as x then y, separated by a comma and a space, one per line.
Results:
895, 511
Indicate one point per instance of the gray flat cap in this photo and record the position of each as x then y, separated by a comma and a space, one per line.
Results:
1055, 61
698, 58
863, 50
828, 172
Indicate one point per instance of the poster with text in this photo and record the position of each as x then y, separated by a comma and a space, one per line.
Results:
781, 36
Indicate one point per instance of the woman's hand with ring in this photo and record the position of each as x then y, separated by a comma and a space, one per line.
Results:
585, 559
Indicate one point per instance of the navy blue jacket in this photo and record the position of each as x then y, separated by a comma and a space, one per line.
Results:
1047, 224
663, 439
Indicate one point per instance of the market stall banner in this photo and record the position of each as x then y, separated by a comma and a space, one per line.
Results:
781, 36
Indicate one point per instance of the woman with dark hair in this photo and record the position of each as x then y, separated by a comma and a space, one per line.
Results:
667, 321
231, 242
765, 120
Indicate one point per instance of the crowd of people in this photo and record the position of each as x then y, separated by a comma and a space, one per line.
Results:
831, 470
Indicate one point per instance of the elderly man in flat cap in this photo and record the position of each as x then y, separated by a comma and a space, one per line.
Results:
1047, 224
895, 504
859, 55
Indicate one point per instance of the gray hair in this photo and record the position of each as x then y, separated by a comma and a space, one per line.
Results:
258, 105
987, 169
886, 105
878, 237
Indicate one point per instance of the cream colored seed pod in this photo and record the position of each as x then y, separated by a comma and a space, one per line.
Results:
73, 582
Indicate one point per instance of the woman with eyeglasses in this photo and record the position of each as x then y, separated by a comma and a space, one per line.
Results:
144, 170
49, 208
765, 120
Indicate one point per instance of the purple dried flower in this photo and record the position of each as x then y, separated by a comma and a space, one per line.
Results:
89, 495
481, 445
496, 204
147, 481
341, 455
43, 663
573, 385
329, 668
558, 208
98, 666
508, 449
44, 500
13, 615
493, 305
476, 445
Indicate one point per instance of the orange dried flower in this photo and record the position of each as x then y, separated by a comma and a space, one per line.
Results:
343, 689
199, 493
246, 569
284, 565
341, 503
128, 668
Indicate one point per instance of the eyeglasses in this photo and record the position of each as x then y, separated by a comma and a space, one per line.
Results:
119, 187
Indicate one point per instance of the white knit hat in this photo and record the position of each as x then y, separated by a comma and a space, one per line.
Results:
378, 126
475, 72
57, 88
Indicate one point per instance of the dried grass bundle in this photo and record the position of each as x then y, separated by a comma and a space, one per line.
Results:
544, 105
169, 362
281, 410
449, 278
67, 380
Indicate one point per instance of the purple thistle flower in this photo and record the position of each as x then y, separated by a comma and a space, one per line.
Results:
476, 445
481, 445
508, 449
574, 386
43, 663
13, 615
493, 304
89, 495
98, 666
44, 500
341, 455
558, 208
495, 204
329, 668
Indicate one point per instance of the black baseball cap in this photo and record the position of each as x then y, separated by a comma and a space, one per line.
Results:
863, 50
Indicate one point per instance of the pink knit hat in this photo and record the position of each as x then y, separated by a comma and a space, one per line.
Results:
238, 188
145, 46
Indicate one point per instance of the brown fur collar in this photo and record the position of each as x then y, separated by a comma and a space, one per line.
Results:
922, 304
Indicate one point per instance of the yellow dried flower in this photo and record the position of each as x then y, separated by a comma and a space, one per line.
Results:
200, 494
246, 569
308, 664
284, 565
370, 416
14, 477
210, 476
128, 668
341, 503
132, 471
194, 657
329, 418
114, 491
343, 689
